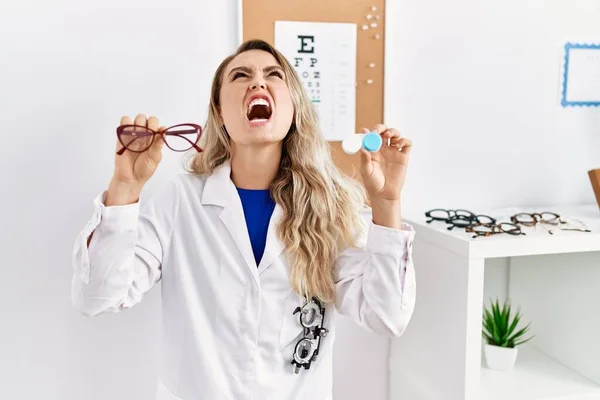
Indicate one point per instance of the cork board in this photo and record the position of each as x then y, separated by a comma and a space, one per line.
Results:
257, 19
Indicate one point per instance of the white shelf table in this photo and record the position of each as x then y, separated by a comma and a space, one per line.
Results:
440, 354
536, 376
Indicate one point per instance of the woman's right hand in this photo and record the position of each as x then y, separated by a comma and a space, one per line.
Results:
132, 169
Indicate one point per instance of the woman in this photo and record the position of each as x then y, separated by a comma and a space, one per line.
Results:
257, 246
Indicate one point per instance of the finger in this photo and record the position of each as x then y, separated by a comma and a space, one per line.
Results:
391, 133
395, 140
118, 146
379, 128
157, 144
140, 120
125, 120
162, 129
153, 123
156, 149
389, 136
403, 144
406, 145
366, 167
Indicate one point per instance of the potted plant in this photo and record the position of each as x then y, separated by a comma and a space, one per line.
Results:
502, 337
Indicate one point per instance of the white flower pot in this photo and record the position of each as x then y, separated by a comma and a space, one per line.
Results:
500, 358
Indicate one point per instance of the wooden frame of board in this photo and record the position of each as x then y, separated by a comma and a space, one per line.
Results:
256, 20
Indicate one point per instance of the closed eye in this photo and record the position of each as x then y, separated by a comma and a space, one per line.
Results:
239, 75
277, 73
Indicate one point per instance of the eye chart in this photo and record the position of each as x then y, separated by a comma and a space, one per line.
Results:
324, 56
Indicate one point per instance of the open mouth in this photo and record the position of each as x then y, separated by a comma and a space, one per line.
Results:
259, 110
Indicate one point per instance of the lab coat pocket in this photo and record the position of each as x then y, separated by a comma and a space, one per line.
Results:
291, 329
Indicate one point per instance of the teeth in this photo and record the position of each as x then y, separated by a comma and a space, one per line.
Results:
257, 102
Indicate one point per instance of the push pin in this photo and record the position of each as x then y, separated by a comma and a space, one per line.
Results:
374, 25
369, 81
373, 8
365, 27
376, 36
371, 65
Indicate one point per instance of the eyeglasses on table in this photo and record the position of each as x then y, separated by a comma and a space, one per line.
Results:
485, 230
459, 218
552, 219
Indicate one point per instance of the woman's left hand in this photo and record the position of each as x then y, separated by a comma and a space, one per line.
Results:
384, 171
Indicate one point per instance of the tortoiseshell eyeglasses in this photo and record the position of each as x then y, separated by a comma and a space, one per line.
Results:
486, 230
549, 218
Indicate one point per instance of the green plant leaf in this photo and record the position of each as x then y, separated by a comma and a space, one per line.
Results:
514, 324
488, 315
488, 324
489, 339
524, 341
489, 330
496, 314
520, 333
501, 317
488, 321
505, 316
496, 334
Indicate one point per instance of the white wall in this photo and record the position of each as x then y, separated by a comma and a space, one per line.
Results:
475, 84
68, 71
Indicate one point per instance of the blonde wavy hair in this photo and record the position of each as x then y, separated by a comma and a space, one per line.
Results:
321, 205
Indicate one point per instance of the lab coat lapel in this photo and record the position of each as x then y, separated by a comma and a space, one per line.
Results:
220, 190
273, 246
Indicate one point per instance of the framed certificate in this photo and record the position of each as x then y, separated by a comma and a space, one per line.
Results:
581, 75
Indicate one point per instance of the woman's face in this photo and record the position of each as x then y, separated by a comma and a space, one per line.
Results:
255, 100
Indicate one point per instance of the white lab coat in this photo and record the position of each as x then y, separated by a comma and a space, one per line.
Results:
228, 329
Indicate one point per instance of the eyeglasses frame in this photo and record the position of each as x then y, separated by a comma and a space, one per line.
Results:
198, 130
496, 228
315, 341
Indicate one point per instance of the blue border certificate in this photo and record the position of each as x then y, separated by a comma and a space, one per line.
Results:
581, 75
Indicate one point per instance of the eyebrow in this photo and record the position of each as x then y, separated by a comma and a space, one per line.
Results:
248, 70
273, 68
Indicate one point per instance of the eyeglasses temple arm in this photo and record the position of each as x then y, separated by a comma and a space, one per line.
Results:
184, 138
122, 150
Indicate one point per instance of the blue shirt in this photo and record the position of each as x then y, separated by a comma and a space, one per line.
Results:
258, 207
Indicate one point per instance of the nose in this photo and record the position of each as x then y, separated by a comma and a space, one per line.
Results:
258, 83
